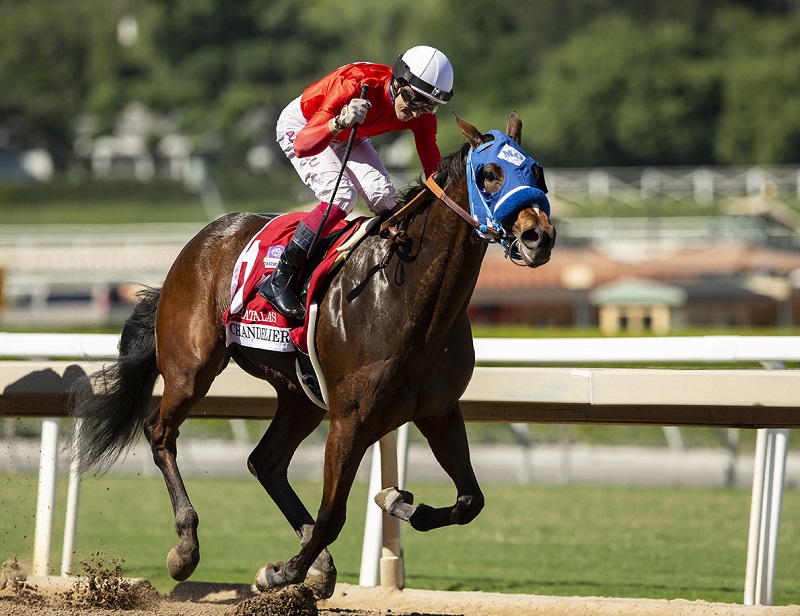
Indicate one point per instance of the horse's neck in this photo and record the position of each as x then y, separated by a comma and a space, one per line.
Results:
410, 307
448, 264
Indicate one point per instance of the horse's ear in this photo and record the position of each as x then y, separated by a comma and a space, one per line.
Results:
473, 135
514, 127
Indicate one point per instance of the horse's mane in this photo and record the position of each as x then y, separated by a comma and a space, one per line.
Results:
450, 168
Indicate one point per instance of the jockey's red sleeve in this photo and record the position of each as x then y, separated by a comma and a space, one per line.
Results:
314, 138
428, 151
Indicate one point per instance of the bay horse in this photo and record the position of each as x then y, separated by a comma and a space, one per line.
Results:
394, 343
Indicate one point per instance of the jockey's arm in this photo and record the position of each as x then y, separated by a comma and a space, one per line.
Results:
316, 135
427, 149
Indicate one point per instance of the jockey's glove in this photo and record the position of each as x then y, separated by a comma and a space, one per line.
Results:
352, 113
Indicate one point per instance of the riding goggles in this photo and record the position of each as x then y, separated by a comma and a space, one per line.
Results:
414, 101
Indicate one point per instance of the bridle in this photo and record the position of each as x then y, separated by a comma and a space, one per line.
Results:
389, 230
523, 186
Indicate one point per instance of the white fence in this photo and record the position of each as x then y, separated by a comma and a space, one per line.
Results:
74, 273
700, 184
743, 398
635, 184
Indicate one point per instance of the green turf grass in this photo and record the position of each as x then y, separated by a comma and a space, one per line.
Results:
575, 540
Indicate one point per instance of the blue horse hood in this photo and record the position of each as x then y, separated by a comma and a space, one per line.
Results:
521, 188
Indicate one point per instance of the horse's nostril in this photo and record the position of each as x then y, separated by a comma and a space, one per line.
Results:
531, 238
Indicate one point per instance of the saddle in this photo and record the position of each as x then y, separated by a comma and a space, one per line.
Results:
250, 321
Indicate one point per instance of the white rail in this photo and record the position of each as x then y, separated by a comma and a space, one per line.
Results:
750, 398
705, 349
95, 346
546, 351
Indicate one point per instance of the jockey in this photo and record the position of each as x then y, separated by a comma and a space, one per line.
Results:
313, 131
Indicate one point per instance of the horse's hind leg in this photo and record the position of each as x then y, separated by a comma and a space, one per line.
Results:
294, 420
447, 437
184, 386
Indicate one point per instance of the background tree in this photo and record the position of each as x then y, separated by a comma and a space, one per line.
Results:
597, 82
620, 92
759, 120
48, 52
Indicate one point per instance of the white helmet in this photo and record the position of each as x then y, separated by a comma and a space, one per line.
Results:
427, 71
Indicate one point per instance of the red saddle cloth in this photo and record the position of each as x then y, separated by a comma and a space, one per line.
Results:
251, 321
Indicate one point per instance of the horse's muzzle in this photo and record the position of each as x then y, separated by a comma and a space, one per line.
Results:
536, 237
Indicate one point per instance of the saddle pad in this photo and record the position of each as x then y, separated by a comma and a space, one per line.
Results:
251, 321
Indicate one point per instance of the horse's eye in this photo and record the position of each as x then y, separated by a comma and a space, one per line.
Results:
490, 178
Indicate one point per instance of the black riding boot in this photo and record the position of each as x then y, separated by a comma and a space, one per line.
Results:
277, 289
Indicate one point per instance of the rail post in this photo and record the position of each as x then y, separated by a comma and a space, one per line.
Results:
391, 558
46, 497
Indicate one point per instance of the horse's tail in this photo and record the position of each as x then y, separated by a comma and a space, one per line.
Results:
113, 402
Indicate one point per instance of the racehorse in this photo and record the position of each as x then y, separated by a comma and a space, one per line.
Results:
393, 341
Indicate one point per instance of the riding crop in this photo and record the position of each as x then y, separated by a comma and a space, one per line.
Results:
346, 157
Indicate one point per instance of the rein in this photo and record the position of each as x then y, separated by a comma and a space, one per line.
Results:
440, 194
494, 234
388, 230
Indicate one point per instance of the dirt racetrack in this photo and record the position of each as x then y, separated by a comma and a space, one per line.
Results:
104, 597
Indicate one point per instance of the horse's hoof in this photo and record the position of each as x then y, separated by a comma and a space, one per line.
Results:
386, 498
396, 502
321, 583
269, 576
179, 569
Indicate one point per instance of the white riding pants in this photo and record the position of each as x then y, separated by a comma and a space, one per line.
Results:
365, 174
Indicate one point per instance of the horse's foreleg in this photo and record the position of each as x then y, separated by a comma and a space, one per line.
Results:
269, 463
447, 438
344, 450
